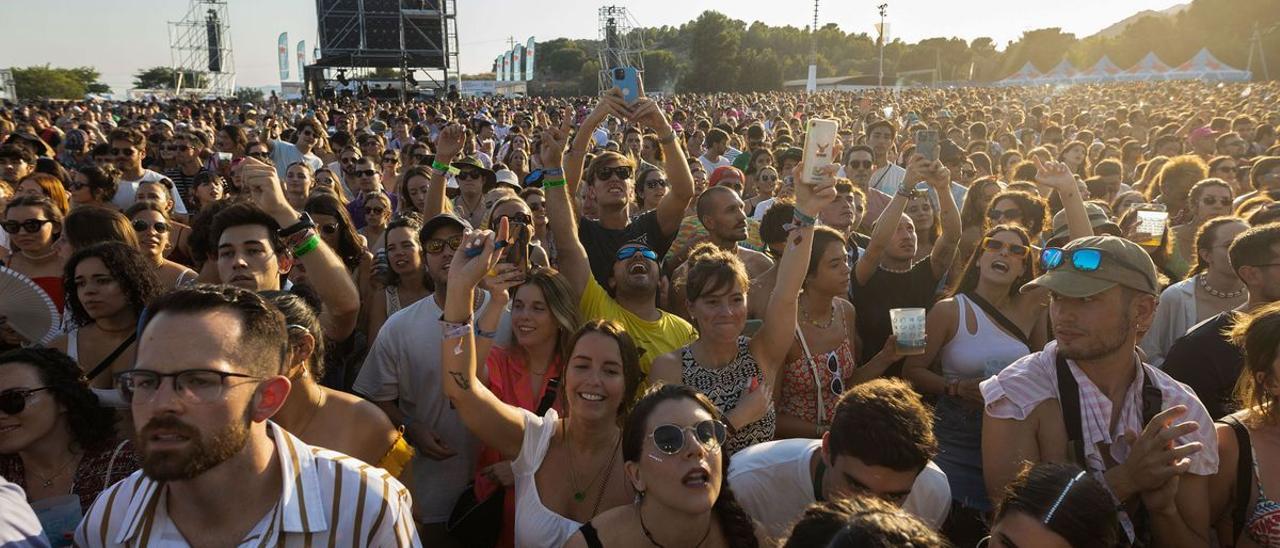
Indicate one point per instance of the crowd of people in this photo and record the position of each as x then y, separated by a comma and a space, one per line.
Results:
545, 322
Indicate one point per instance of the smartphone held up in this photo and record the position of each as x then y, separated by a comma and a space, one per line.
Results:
627, 80
819, 149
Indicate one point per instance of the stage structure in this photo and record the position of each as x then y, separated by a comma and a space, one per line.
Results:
200, 50
418, 37
622, 48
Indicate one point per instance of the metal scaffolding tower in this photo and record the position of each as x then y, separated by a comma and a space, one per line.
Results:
622, 48
200, 49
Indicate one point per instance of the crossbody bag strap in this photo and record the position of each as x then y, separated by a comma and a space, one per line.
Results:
1244, 474
1069, 399
549, 396
817, 381
999, 317
106, 362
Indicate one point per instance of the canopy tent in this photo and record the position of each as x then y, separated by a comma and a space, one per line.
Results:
1061, 74
1204, 66
1149, 68
1025, 75
1103, 71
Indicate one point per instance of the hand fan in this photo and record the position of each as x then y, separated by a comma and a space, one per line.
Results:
27, 308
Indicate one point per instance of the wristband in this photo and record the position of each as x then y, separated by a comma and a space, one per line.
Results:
304, 222
307, 246
486, 334
296, 239
801, 220
553, 173
553, 183
446, 168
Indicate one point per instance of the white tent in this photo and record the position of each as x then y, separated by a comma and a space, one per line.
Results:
1064, 73
1025, 75
1149, 68
1103, 71
1204, 66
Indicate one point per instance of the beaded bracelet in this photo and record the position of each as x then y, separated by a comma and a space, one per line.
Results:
801, 220
307, 246
553, 183
445, 168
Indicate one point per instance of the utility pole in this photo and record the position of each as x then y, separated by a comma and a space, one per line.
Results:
883, 10
1255, 42
812, 83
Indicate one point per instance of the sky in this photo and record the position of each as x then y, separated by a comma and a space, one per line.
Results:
119, 37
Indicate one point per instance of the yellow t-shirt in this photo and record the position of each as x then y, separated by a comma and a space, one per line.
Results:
653, 338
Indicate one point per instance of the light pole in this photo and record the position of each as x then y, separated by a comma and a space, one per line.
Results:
883, 10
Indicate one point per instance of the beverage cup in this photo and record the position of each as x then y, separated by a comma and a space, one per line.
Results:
1152, 223
908, 326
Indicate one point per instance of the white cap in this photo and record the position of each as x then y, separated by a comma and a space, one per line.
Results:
507, 176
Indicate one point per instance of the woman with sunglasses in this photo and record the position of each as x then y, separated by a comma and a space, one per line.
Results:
111, 283
673, 457
762, 183
651, 186
536, 199
1021, 208
1211, 288
565, 469
1208, 199
34, 225
521, 221
739, 373
59, 443
1055, 506
390, 165
335, 228
154, 228
377, 213
93, 186
161, 192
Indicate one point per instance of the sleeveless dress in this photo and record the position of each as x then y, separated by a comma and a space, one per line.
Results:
107, 397
1263, 525
799, 391
725, 386
958, 424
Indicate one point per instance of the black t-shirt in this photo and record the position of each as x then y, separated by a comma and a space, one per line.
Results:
1207, 362
183, 182
602, 243
916, 288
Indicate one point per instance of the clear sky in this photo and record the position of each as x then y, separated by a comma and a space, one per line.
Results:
120, 36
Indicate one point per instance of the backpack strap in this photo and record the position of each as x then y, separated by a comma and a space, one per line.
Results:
1244, 474
1069, 399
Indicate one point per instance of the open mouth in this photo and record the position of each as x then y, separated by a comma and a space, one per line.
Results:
638, 268
999, 266
526, 329
10, 428
591, 396
696, 478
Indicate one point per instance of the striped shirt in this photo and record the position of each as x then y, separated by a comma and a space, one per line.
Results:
327, 499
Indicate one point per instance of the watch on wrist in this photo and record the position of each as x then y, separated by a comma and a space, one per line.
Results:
304, 222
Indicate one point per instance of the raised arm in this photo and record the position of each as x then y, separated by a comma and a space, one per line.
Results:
448, 146
888, 222
1057, 177
325, 271
573, 159
770, 345
671, 207
944, 250
560, 217
495, 423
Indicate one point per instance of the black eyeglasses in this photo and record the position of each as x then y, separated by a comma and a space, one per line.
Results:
32, 226
621, 172
121, 151
140, 225
349, 160
859, 164
176, 148
517, 218
1012, 214
192, 385
390, 160
14, 401
669, 438
436, 245
535, 207
365, 173
655, 183
374, 210
467, 174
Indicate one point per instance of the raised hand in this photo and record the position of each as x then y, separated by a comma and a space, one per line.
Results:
479, 254
648, 114
449, 143
938, 177
1055, 175
555, 140
266, 190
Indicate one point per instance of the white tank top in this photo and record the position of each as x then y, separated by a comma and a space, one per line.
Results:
980, 354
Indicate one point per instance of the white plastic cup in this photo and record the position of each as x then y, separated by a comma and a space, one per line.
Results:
1152, 223
908, 325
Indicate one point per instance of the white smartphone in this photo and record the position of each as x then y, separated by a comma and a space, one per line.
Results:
819, 147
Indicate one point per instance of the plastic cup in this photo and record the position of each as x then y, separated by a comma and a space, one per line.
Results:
908, 325
1152, 223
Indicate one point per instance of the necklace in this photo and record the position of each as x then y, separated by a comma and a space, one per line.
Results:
580, 495
48, 481
654, 542
52, 251
1204, 284
804, 315
894, 270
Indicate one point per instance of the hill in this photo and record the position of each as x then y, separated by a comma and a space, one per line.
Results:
1117, 29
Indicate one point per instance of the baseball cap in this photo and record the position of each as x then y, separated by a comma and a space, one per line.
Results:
442, 220
1122, 263
1201, 133
1097, 219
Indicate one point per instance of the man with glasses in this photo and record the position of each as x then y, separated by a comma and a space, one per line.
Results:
187, 163
473, 181
880, 444
1138, 431
402, 377
215, 470
1205, 358
284, 153
129, 147
858, 164
367, 180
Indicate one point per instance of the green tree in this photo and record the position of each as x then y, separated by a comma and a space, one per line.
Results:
249, 95
660, 69
46, 82
166, 78
713, 52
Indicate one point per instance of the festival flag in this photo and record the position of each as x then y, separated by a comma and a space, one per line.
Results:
283, 47
302, 57
528, 60
517, 63
506, 66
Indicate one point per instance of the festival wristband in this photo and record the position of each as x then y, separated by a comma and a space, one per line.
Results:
486, 334
802, 220
553, 173
553, 183
307, 246
445, 168
668, 138
473, 252
298, 238
454, 330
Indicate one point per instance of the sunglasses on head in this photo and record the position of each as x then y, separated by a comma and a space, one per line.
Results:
436, 245
14, 401
605, 173
1084, 259
1013, 214
629, 252
992, 244
140, 225
32, 226
670, 438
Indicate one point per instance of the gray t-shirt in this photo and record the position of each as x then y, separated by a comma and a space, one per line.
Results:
404, 365
285, 154
126, 193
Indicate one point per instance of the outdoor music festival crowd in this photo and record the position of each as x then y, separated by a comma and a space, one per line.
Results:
588, 322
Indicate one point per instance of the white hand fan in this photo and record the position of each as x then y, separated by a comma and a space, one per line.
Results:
27, 308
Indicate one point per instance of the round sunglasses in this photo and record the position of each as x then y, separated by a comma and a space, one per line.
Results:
670, 438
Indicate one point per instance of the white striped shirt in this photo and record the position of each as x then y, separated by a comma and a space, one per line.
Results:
326, 499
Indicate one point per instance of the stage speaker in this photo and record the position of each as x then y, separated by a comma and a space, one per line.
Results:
215, 41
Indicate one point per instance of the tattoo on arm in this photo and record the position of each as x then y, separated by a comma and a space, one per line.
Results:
462, 381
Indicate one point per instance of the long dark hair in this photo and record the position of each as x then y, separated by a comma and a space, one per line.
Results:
735, 524
133, 272
91, 424
632, 375
349, 248
298, 312
1067, 502
969, 278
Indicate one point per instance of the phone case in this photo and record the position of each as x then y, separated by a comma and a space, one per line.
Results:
819, 143
927, 144
627, 79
